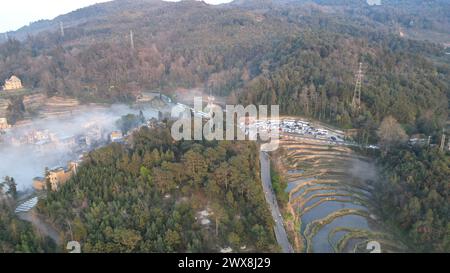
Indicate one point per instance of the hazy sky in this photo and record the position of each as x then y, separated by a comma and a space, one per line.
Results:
17, 13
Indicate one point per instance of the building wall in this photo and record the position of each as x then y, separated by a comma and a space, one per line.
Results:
39, 185
12, 84
4, 123
60, 176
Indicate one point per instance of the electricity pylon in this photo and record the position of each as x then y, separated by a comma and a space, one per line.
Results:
356, 101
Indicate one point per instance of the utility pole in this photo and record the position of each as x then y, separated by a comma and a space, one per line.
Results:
61, 28
356, 101
132, 39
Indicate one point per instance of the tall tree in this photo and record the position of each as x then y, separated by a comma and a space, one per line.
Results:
391, 133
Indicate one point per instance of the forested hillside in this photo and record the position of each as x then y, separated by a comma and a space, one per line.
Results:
301, 54
164, 196
176, 44
416, 196
309, 75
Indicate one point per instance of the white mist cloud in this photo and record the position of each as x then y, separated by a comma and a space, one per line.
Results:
24, 162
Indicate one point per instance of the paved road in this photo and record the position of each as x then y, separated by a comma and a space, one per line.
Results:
280, 232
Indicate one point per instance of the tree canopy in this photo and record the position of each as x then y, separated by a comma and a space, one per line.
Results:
149, 197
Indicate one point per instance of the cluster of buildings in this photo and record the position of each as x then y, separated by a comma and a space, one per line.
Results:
32, 137
44, 141
43, 138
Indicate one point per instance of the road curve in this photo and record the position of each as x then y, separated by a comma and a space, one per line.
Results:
280, 232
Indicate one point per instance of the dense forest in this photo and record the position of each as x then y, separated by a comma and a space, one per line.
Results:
155, 196
416, 196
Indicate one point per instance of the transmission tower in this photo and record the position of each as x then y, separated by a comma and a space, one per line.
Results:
356, 102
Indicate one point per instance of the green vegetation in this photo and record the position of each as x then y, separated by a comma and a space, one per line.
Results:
17, 236
130, 121
9, 187
309, 76
147, 197
279, 185
416, 196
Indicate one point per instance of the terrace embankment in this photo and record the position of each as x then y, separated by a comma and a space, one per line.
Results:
329, 189
4, 105
40, 106
58, 106
33, 103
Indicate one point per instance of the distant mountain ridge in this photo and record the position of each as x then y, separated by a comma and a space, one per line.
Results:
77, 17
435, 14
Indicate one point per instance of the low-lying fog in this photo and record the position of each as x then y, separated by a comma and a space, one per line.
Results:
23, 162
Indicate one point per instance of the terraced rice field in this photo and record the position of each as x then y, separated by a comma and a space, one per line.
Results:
329, 193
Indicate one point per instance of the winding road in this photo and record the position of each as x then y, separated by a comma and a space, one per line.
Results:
280, 232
